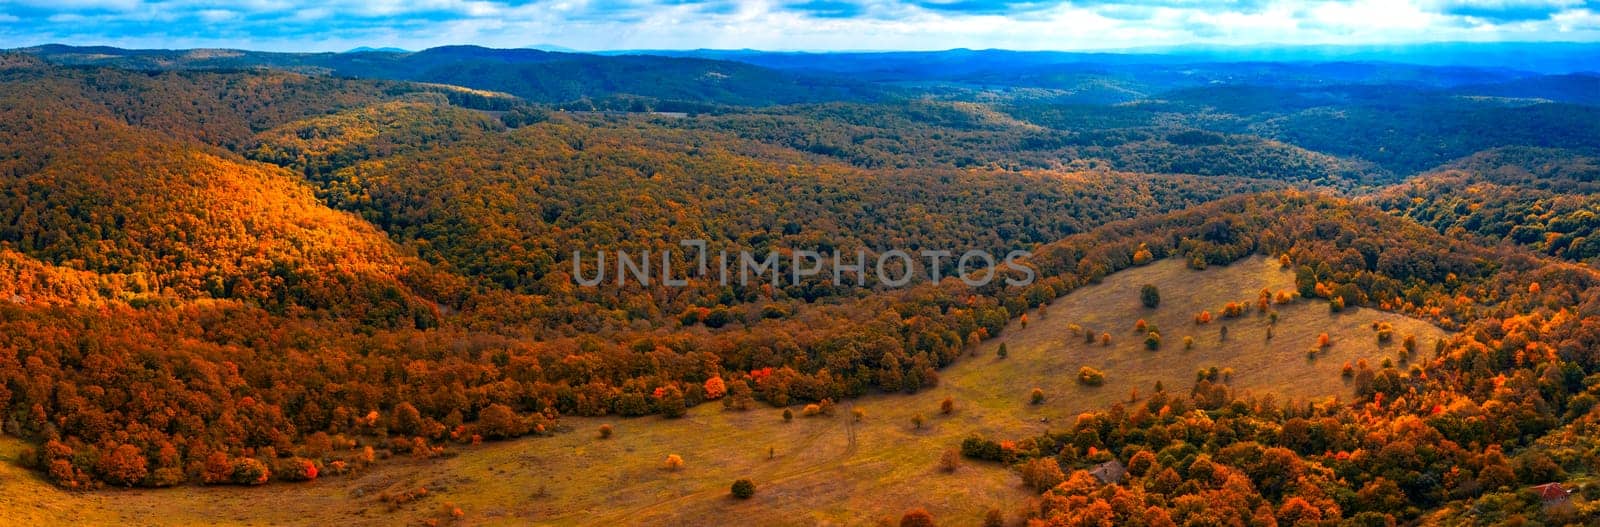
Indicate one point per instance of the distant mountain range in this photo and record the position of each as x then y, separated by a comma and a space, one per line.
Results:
704, 80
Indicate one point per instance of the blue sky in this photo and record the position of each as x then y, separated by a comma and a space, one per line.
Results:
334, 25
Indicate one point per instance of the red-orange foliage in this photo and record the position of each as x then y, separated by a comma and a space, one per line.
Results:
715, 388
916, 518
124, 465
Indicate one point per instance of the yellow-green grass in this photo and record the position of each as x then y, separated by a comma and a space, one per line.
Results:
816, 475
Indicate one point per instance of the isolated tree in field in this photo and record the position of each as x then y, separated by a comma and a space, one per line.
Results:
1091, 377
1283, 297
1141, 325
1203, 318
1150, 296
788, 415
1323, 341
743, 489
1024, 321
949, 460
947, 405
1188, 342
673, 463
1002, 351
917, 420
1385, 331
994, 518
1152, 341
1036, 397
916, 518
605, 431
1105, 339
858, 414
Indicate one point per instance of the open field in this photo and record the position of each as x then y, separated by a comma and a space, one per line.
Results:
816, 474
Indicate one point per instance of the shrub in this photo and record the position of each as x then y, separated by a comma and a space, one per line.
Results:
1323, 341
950, 460
1232, 310
1336, 305
1152, 341
743, 489
1142, 255
947, 406
811, 410
296, 469
1385, 332
249, 471
1149, 296
977, 447
917, 421
715, 388
1203, 318
1105, 339
916, 518
1091, 377
605, 431
858, 414
1037, 397
788, 415
673, 463
1188, 342
1002, 351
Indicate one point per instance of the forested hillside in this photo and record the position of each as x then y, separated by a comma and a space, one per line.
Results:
236, 267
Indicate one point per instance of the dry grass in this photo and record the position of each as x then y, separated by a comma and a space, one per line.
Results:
816, 475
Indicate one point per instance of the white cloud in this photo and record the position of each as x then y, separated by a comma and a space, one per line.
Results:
768, 24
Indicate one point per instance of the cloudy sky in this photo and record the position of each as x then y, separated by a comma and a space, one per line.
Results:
334, 25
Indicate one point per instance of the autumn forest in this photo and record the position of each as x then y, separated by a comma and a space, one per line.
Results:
224, 272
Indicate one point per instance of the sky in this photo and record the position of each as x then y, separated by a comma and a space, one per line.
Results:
813, 25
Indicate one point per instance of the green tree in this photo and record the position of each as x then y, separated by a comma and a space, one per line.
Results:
1150, 296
